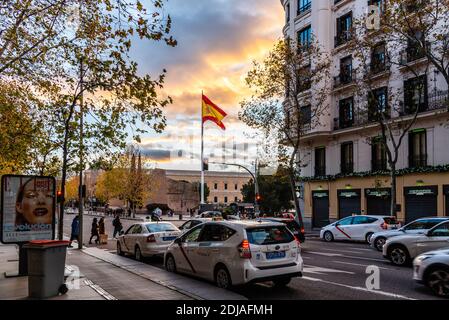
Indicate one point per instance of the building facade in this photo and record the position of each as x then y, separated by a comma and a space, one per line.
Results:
346, 173
225, 187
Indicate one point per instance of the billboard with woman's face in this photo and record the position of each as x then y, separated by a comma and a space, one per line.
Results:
28, 208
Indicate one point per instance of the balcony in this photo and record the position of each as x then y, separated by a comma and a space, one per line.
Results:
413, 54
347, 167
377, 165
416, 161
342, 38
304, 9
358, 120
437, 100
344, 79
378, 69
320, 171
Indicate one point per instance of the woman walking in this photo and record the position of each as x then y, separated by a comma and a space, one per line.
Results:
94, 232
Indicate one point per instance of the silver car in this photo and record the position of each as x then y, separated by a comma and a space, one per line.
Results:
378, 239
432, 270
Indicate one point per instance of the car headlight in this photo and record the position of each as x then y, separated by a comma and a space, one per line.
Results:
423, 258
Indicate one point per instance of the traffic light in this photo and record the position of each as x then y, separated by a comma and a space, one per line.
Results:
205, 165
59, 196
258, 198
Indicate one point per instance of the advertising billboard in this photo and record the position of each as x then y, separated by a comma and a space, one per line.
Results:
27, 208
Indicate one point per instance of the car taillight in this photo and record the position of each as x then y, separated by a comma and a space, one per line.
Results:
151, 238
302, 230
384, 226
298, 243
244, 249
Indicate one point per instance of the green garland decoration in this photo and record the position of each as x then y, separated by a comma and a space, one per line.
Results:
364, 174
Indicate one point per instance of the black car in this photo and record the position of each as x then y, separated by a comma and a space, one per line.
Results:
292, 225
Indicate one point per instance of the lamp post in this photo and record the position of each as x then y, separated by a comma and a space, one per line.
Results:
254, 176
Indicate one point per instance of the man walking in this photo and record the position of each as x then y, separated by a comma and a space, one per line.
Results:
117, 224
75, 234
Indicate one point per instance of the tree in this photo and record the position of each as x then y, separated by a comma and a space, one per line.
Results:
274, 190
387, 117
280, 85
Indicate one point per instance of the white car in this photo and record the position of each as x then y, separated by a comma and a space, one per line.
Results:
237, 252
147, 239
432, 270
357, 228
401, 250
378, 239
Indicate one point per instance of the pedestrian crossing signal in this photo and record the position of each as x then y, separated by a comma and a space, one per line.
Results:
59, 196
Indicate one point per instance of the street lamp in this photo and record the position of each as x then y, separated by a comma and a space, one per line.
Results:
254, 176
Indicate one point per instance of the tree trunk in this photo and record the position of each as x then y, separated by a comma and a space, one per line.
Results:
292, 177
63, 180
393, 190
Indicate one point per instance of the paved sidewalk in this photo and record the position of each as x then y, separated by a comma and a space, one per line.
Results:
196, 289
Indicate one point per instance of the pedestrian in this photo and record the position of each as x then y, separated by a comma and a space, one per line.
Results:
75, 230
117, 225
101, 229
94, 232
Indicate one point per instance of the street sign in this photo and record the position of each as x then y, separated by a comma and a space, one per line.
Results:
28, 208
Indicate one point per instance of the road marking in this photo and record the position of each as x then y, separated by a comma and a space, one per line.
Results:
339, 250
383, 293
321, 270
344, 256
100, 290
362, 265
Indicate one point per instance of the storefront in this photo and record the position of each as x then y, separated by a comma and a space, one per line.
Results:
320, 208
378, 201
446, 199
420, 202
348, 202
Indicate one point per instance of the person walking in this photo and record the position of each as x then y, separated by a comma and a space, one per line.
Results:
101, 228
75, 234
94, 232
117, 225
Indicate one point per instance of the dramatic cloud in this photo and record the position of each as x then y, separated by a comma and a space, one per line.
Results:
218, 39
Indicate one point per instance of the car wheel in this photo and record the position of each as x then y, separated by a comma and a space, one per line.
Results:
222, 278
368, 236
398, 255
138, 254
328, 236
438, 282
119, 249
170, 264
379, 243
281, 282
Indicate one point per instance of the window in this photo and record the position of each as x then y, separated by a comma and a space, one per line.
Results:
304, 5
160, 227
344, 25
363, 220
378, 59
192, 236
441, 230
236, 186
226, 186
130, 229
287, 12
225, 199
422, 224
215, 186
306, 115
417, 148
346, 74
305, 38
346, 112
347, 154
378, 3
215, 232
236, 199
378, 155
377, 104
269, 235
303, 81
216, 199
415, 94
320, 162
345, 222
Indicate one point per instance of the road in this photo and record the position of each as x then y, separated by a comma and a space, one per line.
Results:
337, 270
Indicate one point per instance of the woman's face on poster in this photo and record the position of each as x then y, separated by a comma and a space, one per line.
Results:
36, 205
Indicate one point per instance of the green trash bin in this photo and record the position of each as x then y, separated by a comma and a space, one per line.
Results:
46, 265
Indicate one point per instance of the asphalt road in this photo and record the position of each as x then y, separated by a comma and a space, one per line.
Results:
337, 270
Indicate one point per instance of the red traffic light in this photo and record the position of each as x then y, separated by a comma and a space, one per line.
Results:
258, 197
59, 196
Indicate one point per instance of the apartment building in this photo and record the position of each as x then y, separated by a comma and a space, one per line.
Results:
343, 173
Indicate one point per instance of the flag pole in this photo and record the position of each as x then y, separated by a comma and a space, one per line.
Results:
202, 151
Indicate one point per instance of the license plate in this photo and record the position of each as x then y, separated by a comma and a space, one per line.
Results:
275, 255
169, 238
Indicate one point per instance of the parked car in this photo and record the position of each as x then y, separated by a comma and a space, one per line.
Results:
378, 239
357, 228
292, 225
209, 214
192, 223
432, 270
237, 252
401, 250
147, 239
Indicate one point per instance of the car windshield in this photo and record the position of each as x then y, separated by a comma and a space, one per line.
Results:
161, 227
269, 235
293, 226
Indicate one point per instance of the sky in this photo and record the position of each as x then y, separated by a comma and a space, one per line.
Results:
217, 42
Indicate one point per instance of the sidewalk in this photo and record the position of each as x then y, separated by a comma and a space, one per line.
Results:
107, 276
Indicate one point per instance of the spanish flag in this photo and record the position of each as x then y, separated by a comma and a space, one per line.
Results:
212, 112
